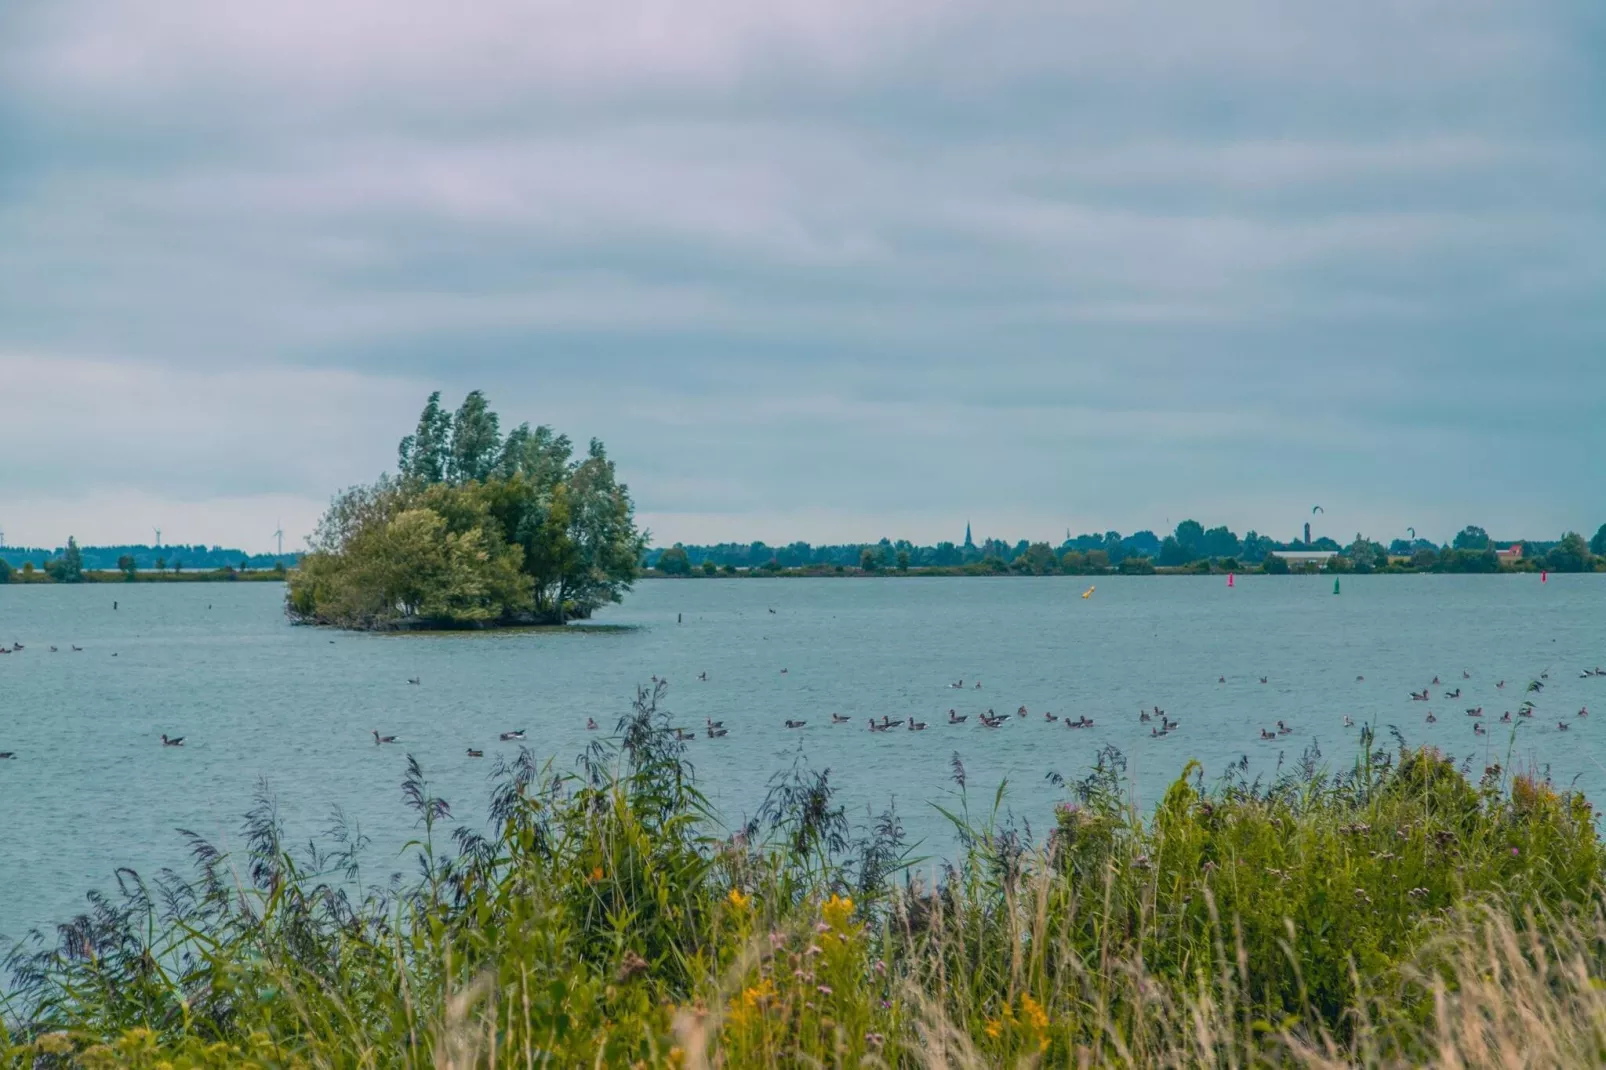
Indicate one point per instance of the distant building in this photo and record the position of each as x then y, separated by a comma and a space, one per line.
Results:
1511, 555
1300, 558
969, 545
1307, 533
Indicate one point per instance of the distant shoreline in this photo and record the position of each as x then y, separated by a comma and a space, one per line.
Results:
830, 573
39, 577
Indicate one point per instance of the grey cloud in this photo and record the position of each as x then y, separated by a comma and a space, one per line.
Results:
825, 258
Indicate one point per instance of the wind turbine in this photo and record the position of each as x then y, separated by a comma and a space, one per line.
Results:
158, 531
279, 534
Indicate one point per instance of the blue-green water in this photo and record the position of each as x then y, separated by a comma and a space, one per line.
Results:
92, 787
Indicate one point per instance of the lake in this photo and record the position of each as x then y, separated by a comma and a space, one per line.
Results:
258, 700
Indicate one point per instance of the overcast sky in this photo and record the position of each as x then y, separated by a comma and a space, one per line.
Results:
817, 269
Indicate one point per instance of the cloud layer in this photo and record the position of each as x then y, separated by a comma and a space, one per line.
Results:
818, 270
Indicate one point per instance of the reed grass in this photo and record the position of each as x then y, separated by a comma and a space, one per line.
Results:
1397, 913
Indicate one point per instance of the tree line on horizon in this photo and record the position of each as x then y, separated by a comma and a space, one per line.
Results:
1471, 550
75, 564
171, 555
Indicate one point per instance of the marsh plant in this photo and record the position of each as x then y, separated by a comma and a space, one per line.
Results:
1396, 913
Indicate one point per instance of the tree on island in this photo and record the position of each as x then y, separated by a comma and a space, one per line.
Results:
5, 570
674, 562
474, 529
1597, 545
1472, 537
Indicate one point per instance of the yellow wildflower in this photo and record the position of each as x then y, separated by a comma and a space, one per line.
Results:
738, 900
994, 1027
1033, 1012
53, 1044
596, 875
838, 912
759, 994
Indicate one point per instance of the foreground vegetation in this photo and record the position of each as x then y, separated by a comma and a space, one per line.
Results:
1396, 914
476, 529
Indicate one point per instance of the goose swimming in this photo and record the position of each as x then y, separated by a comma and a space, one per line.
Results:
839, 718
715, 733
916, 726
519, 734
177, 741
591, 724
472, 753
954, 718
795, 724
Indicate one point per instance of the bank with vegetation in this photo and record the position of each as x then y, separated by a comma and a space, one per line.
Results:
476, 529
1190, 548
1404, 912
69, 567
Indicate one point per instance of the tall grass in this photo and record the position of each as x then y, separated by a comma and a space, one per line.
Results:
1394, 914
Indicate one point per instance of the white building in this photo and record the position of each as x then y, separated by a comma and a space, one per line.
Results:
1301, 558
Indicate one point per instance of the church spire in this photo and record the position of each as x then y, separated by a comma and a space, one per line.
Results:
969, 545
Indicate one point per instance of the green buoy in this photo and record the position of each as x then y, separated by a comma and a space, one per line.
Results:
1335, 585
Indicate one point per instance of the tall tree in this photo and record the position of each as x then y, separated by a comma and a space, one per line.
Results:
1597, 545
476, 441
422, 455
1471, 537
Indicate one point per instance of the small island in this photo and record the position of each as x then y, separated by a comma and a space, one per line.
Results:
475, 530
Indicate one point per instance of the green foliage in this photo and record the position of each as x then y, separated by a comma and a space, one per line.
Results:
5, 570
674, 562
69, 567
867, 560
903, 560
1468, 560
125, 565
1136, 566
709, 568
1572, 554
608, 920
1597, 545
475, 530
1472, 537
1275, 565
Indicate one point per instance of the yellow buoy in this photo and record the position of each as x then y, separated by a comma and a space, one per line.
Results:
1089, 592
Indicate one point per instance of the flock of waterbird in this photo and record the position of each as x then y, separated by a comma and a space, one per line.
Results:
1527, 710
1159, 721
